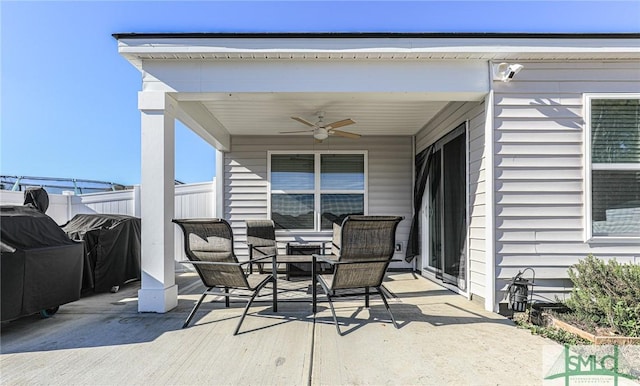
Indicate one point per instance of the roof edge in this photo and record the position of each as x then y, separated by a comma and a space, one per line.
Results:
375, 35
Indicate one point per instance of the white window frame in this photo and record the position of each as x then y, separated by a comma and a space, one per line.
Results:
589, 167
317, 191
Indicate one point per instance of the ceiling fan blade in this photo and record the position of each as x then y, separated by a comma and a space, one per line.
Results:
296, 131
345, 134
344, 122
303, 121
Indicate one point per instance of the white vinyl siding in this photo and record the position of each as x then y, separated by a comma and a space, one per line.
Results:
448, 119
389, 180
540, 185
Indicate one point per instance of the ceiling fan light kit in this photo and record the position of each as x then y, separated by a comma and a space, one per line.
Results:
322, 131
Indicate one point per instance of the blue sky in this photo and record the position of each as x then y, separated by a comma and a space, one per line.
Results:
68, 102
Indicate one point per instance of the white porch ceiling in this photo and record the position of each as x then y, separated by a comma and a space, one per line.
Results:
374, 114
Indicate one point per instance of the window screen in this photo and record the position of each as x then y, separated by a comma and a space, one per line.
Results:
311, 191
615, 176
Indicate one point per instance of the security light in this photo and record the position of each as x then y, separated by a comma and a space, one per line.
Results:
506, 71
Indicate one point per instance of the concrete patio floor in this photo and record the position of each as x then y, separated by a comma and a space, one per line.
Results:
443, 339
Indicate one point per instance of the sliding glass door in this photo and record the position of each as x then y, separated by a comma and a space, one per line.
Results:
434, 208
445, 211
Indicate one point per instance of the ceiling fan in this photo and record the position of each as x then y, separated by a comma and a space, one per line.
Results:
322, 131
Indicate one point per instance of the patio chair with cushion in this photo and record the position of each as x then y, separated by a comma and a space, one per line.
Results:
208, 245
366, 247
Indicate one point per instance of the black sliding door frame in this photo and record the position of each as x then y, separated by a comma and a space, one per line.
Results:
446, 200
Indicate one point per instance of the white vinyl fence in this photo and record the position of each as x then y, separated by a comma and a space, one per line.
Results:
59, 205
191, 200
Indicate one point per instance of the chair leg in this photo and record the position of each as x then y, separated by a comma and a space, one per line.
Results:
384, 300
314, 283
246, 308
333, 311
366, 297
274, 281
195, 308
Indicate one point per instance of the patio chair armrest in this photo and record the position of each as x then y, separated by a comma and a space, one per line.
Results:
355, 262
272, 258
254, 259
210, 263
329, 259
250, 247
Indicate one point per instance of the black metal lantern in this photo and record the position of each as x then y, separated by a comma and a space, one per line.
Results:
518, 292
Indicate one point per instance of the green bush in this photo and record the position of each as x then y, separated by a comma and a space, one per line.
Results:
608, 293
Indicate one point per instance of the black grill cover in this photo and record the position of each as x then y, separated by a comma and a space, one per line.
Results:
112, 248
40, 267
37, 198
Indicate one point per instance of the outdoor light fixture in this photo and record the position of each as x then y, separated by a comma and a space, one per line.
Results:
320, 134
506, 71
518, 291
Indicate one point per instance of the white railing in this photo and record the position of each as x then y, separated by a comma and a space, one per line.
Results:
191, 200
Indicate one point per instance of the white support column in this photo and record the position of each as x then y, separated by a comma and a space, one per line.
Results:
158, 292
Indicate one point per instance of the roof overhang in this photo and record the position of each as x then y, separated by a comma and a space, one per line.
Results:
390, 83
385, 46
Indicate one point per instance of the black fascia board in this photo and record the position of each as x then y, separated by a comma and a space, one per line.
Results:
374, 35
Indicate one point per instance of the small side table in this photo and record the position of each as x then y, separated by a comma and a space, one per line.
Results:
296, 248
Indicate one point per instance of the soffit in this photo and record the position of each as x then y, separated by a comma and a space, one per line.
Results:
270, 114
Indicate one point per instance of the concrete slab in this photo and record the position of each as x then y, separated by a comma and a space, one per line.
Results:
102, 339
443, 339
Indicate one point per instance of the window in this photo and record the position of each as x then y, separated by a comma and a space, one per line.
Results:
613, 123
310, 191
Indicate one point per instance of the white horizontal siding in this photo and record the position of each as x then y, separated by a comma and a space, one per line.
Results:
448, 119
389, 177
539, 171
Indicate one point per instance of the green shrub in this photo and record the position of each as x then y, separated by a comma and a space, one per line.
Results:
608, 292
